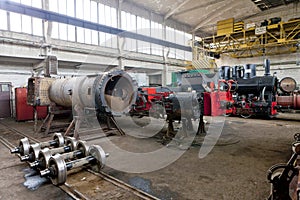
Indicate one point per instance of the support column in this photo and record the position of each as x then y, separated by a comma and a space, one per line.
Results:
47, 25
166, 51
120, 40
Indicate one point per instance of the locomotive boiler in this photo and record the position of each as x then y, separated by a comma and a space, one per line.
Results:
102, 95
111, 92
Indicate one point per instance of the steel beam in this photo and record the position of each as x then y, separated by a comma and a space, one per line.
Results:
171, 12
56, 17
204, 5
217, 12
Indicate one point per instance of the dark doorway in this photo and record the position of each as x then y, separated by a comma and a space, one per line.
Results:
5, 91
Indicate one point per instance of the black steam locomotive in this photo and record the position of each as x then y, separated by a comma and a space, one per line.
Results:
249, 94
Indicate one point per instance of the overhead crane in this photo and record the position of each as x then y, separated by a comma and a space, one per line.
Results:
278, 38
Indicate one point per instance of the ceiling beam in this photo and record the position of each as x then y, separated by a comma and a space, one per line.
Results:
199, 6
217, 12
171, 12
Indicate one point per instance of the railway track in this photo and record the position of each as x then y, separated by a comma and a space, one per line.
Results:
10, 137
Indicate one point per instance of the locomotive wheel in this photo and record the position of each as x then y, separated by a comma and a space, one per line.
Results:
45, 154
98, 153
83, 147
246, 115
24, 146
34, 152
59, 138
59, 167
227, 115
72, 142
44, 157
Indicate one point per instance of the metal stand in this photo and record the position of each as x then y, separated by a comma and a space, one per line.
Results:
47, 123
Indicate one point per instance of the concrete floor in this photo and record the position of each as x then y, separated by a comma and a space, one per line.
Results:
234, 169
13, 181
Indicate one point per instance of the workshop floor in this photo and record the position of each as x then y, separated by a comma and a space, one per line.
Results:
234, 169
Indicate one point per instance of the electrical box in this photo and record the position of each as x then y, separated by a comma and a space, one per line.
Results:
23, 110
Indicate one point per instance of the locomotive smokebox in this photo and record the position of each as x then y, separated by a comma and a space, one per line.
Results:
112, 92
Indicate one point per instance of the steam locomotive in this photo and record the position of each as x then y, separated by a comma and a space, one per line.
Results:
239, 91
248, 94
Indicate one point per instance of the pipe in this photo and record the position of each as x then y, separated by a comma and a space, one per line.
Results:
263, 95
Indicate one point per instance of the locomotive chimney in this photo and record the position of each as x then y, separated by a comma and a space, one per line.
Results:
267, 67
234, 72
227, 72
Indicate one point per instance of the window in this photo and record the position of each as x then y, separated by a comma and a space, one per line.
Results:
63, 32
79, 9
187, 55
62, 7
130, 44
157, 49
5, 88
55, 30
95, 37
70, 8
37, 3
26, 24
87, 10
108, 17
124, 20
101, 14
108, 40
15, 22
80, 35
170, 34
88, 36
53, 6
143, 28
71, 33
156, 30
102, 38
26, 2
172, 53
113, 13
94, 12
3, 17
37, 29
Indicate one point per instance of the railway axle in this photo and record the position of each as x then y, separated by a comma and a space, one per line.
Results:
57, 170
44, 156
24, 144
36, 148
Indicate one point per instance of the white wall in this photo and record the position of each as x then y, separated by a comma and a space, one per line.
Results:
141, 78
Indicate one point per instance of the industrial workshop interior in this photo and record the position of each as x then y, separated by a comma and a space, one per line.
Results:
150, 99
